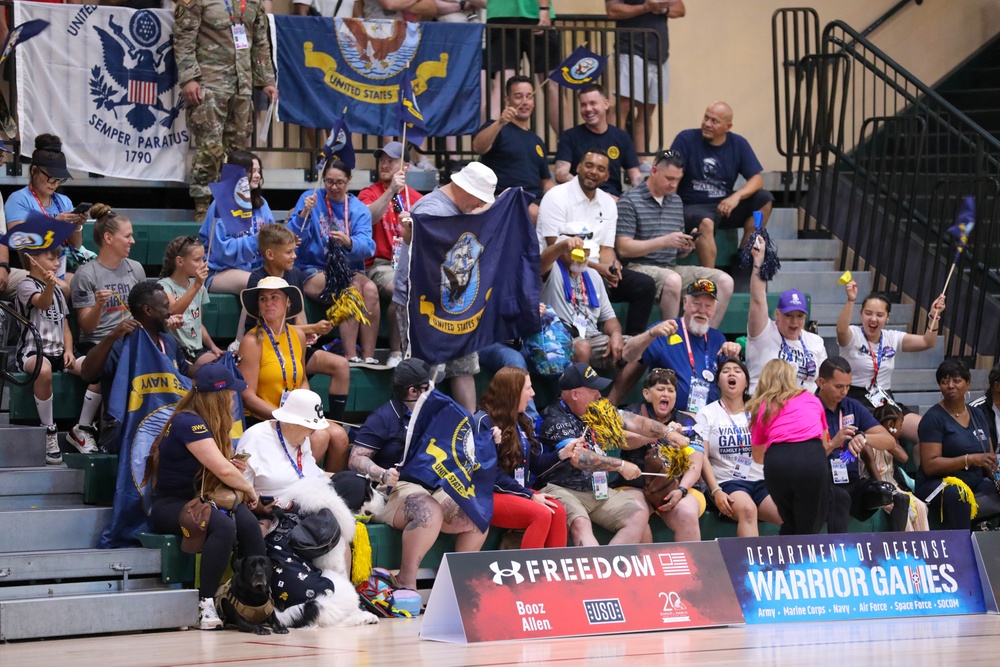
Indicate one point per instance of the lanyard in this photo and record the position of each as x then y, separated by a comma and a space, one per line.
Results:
738, 431
55, 202
524, 445
243, 9
281, 360
687, 342
329, 212
281, 439
805, 351
876, 363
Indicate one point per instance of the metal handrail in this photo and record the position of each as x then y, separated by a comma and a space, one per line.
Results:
892, 11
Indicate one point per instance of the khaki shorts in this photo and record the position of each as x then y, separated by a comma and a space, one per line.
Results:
463, 366
381, 273
610, 514
400, 493
599, 350
688, 274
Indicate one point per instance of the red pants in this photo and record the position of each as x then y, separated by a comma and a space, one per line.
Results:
542, 527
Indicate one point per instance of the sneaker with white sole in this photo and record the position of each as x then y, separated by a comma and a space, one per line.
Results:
83, 438
208, 617
394, 359
53, 456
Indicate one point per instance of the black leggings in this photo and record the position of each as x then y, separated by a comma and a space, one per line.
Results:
798, 479
222, 535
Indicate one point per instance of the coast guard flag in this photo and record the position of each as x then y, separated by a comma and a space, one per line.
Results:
473, 279
443, 451
582, 68
327, 64
145, 389
104, 79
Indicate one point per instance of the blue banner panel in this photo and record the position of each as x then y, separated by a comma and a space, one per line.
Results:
866, 575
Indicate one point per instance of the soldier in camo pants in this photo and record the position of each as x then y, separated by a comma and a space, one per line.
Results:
223, 52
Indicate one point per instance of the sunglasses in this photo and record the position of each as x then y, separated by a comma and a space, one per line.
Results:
662, 373
665, 155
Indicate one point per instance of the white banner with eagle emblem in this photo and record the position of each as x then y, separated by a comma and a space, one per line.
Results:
104, 79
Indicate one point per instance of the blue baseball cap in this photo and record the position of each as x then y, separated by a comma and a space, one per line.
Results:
216, 377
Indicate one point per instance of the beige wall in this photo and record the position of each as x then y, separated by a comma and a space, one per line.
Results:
722, 50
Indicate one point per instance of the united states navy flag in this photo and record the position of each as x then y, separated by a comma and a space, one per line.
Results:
474, 279
444, 451
582, 68
145, 389
327, 64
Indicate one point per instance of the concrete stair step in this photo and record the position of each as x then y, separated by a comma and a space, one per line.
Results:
806, 265
40, 480
51, 529
790, 249
829, 331
48, 501
22, 446
98, 614
78, 564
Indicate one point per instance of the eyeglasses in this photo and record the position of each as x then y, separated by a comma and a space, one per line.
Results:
665, 155
334, 184
50, 179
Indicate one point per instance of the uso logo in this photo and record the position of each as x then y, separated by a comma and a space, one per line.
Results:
604, 611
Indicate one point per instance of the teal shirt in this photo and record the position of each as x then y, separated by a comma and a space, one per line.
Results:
189, 335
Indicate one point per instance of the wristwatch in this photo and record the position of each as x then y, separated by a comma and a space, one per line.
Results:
5, 266
683, 491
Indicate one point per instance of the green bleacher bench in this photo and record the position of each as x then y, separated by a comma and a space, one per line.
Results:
727, 246
100, 472
176, 567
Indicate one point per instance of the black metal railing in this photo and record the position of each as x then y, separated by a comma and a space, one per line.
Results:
880, 160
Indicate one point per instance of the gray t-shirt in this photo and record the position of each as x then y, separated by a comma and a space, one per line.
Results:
94, 276
189, 334
435, 204
578, 307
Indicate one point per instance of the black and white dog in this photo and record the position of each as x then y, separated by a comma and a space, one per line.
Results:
320, 594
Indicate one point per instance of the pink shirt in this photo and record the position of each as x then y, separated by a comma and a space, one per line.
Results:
801, 418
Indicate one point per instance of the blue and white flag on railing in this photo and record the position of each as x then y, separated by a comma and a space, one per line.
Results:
327, 64
443, 451
104, 79
474, 279
145, 389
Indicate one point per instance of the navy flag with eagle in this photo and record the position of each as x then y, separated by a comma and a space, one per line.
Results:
443, 451
582, 68
474, 279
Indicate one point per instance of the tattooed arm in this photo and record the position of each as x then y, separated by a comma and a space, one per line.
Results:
361, 462
590, 461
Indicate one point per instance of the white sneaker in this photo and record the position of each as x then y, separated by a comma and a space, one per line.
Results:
208, 617
394, 359
424, 164
82, 438
53, 456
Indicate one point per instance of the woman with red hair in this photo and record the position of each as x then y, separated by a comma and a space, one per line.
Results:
516, 505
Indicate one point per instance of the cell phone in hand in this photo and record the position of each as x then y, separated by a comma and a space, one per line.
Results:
694, 233
81, 209
241, 456
265, 500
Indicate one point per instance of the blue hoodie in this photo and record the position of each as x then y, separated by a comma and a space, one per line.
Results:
312, 250
233, 252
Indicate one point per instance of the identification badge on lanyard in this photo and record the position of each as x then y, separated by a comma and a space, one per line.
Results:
741, 469
839, 469
877, 396
519, 475
600, 485
697, 395
284, 397
580, 324
240, 36
397, 247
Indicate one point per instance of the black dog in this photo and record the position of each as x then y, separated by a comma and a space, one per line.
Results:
244, 602
358, 492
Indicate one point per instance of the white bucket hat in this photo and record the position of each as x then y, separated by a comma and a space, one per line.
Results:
302, 408
478, 180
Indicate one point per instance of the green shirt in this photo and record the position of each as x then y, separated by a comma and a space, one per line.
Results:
189, 335
517, 9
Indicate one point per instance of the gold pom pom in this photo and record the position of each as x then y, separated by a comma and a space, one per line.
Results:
361, 556
348, 305
609, 429
965, 494
677, 459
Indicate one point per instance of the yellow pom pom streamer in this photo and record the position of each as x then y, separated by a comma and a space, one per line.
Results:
677, 460
965, 494
348, 305
609, 429
361, 553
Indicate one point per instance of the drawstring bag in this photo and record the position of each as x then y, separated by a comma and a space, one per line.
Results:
551, 349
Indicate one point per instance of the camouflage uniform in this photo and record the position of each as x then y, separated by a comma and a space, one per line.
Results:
206, 53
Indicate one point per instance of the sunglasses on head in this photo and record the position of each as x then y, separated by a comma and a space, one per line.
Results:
665, 155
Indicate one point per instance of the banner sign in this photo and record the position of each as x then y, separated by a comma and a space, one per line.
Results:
326, 65
866, 575
987, 546
105, 81
572, 592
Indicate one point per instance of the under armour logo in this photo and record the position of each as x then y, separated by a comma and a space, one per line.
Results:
513, 571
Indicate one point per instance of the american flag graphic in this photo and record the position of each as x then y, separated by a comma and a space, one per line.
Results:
674, 564
141, 92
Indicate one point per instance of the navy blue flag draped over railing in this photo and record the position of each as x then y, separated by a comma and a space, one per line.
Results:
444, 451
145, 389
327, 64
474, 280
582, 68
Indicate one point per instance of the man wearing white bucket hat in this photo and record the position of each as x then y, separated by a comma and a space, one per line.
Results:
470, 189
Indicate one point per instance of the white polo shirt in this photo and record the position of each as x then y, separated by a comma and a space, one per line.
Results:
566, 203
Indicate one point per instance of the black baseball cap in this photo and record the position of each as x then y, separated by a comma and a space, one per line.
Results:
216, 377
581, 375
412, 372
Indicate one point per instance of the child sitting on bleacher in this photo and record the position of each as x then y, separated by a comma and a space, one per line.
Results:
42, 304
183, 279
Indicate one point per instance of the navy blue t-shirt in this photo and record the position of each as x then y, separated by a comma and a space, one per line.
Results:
518, 159
849, 413
710, 171
294, 277
178, 468
671, 352
385, 432
646, 48
576, 141
956, 441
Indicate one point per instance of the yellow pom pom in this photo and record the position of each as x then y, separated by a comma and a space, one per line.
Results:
361, 555
676, 459
846, 278
348, 305
965, 494
609, 429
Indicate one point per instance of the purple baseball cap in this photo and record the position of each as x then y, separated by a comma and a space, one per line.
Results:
791, 301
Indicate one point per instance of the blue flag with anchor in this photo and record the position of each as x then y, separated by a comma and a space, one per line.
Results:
474, 279
582, 68
443, 451
145, 389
